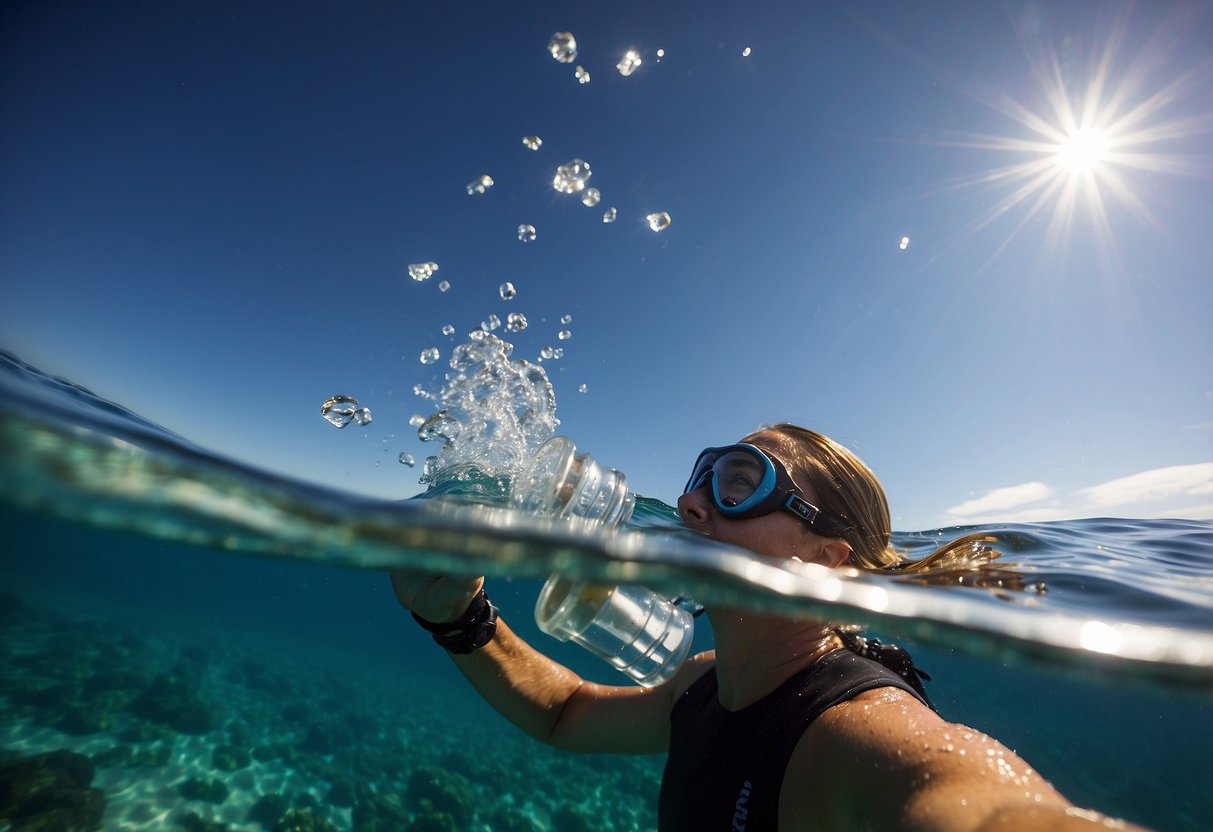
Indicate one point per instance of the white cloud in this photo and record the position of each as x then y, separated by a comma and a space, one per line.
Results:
1173, 491
1152, 486
1003, 499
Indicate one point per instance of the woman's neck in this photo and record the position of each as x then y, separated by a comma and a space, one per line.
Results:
755, 654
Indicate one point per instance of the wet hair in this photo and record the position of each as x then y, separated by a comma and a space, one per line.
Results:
845, 487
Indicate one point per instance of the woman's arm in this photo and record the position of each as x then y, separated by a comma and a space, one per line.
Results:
544, 698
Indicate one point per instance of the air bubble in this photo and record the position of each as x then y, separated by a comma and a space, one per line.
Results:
480, 184
591, 197
526, 233
583, 77
407, 459
563, 47
422, 271
339, 410
570, 177
515, 322
659, 221
609, 215
531, 142
628, 63
507, 291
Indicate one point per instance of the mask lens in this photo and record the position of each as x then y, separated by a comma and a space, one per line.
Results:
736, 476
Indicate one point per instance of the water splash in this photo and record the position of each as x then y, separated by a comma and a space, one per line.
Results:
531, 142
563, 47
629, 63
480, 184
591, 197
491, 323
493, 413
571, 177
339, 410
659, 221
422, 272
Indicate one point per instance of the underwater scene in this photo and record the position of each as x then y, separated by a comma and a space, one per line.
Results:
294, 295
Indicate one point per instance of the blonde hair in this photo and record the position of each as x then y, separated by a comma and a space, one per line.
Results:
845, 487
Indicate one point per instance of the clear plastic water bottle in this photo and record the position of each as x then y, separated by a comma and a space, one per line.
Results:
559, 482
631, 627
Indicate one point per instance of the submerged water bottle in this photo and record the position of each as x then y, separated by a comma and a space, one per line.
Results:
631, 627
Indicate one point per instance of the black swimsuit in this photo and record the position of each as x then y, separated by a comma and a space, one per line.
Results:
725, 768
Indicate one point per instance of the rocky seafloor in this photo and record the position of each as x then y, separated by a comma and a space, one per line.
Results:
108, 725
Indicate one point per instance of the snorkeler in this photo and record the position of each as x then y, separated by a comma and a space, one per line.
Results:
787, 724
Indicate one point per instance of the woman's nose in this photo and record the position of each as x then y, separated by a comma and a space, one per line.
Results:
693, 507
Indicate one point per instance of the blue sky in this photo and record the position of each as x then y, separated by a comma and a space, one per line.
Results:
208, 210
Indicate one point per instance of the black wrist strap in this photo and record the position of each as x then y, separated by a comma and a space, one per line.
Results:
470, 631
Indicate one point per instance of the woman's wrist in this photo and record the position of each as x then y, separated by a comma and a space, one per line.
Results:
471, 631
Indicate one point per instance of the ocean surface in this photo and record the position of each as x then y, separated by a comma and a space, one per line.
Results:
190, 643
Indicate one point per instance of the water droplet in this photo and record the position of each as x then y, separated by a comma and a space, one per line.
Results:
564, 335
492, 323
558, 353
904, 244
745, 53
480, 184
628, 63
531, 142
547, 352
448, 329
362, 416
407, 459
416, 420
515, 322
581, 388
591, 197
443, 285
571, 176
608, 215
583, 77
660, 53
507, 291
429, 355
418, 390
441, 426
339, 410
563, 47
566, 319
526, 233
659, 221
422, 271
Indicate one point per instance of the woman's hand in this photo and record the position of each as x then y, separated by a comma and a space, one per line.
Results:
436, 598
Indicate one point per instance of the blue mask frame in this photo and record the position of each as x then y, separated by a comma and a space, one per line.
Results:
774, 491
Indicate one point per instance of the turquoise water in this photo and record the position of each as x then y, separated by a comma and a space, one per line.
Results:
222, 645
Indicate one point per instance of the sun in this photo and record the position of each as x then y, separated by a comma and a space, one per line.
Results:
1086, 134
1083, 151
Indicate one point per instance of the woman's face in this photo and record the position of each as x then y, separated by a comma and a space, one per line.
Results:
779, 534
